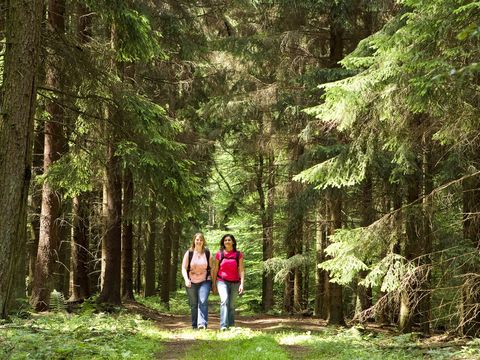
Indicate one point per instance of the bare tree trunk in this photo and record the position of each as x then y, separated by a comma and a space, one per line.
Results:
413, 232
138, 256
470, 312
55, 144
16, 134
294, 235
266, 213
321, 276
175, 253
426, 261
267, 224
111, 286
127, 237
335, 300
150, 252
36, 203
164, 280
364, 294
80, 283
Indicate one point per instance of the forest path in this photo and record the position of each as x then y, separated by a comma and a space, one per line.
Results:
179, 343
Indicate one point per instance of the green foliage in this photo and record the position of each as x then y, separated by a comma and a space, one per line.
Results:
61, 336
57, 302
281, 267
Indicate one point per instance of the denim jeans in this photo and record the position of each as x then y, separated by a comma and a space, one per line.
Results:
198, 300
228, 292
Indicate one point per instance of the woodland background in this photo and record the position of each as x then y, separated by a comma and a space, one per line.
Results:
337, 140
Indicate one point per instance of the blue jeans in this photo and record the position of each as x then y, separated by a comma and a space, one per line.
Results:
228, 292
198, 300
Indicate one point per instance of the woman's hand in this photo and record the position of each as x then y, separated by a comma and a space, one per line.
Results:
188, 283
240, 289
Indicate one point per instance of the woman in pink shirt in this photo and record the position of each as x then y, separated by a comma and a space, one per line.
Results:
196, 271
228, 275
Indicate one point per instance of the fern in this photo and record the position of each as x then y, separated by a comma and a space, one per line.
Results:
57, 302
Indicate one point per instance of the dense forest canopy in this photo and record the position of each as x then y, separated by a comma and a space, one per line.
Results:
338, 141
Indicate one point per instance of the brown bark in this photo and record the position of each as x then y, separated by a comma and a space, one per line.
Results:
175, 253
150, 252
127, 237
55, 144
36, 203
335, 301
321, 276
266, 202
411, 251
164, 280
110, 292
16, 134
138, 257
364, 294
469, 312
294, 236
79, 249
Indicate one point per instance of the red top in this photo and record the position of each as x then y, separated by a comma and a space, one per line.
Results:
229, 271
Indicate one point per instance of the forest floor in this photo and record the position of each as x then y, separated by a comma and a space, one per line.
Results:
147, 330
183, 340
178, 347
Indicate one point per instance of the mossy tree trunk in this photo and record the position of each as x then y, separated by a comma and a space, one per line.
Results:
18, 101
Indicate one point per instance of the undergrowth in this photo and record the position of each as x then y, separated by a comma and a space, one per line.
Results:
87, 336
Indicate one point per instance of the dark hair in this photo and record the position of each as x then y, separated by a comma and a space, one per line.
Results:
222, 242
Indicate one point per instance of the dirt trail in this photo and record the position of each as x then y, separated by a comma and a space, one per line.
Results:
177, 347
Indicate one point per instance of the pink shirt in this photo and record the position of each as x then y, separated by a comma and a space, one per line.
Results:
198, 267
229, 271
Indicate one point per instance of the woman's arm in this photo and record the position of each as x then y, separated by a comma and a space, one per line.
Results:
188, 283
241, 270
214, 270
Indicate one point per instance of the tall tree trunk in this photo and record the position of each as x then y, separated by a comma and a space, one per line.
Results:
164, 281
110, 292
426, 261
55, 144
267, 226
298, 273
294, 235
16, 135
411, 251
335, 300
333, 198
266, 202
150, 252
364, 294
127, 237
321, 276
138, 257
469, 312
63, 265
177, 230
80, 283
36, 203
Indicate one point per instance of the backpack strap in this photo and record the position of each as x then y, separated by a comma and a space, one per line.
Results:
190, 256
207, 255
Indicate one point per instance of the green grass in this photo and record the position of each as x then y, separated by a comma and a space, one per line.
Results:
120, 335
92, 336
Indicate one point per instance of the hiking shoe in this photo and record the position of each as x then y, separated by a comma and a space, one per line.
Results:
202, 327
223, 329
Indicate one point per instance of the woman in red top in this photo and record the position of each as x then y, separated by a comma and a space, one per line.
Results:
228, 275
